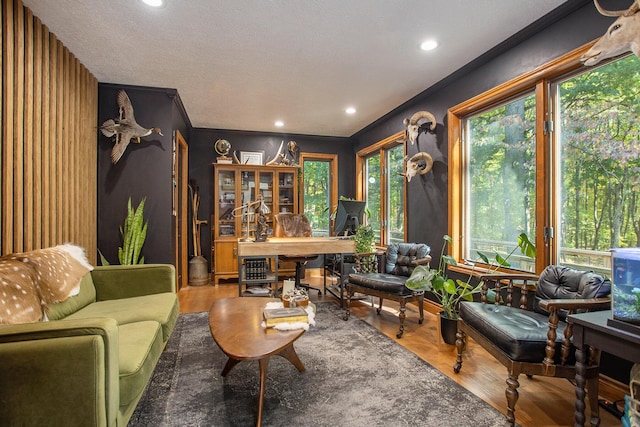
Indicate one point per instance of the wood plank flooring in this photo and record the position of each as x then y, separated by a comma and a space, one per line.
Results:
542, 402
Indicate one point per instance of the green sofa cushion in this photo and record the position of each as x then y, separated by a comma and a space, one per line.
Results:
140, 348
72, 304
163, 308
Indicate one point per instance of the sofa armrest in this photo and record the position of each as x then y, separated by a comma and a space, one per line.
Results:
63, 372
126, 281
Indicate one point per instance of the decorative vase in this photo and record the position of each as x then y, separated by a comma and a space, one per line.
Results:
448, 329
198, 274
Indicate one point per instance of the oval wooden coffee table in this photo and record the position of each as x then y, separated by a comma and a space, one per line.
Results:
235, 325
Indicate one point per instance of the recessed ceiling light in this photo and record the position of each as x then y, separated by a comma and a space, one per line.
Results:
429, 45
279, 124
350, 110
153, 3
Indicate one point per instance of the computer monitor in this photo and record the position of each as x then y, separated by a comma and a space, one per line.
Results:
349, 216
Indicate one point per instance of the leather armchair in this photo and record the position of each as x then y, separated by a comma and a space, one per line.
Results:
400, 260
534, 341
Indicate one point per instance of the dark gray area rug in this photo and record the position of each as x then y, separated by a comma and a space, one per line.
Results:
355, 376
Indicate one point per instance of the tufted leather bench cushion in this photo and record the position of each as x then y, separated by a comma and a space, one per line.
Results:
521, 334
381, 282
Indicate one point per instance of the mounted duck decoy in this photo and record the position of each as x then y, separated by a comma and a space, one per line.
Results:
124, 128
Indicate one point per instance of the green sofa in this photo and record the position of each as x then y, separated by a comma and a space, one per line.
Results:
90, 363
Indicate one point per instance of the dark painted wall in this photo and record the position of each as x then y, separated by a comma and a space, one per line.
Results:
575, 24
145, 170
202, 155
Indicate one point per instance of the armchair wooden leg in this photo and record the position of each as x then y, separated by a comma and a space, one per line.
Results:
402, 315
512, 397
379, 309
461, 344
421, 309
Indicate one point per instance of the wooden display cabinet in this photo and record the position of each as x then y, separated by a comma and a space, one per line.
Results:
234, 186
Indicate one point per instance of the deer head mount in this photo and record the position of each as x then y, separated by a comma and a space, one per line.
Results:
622, 36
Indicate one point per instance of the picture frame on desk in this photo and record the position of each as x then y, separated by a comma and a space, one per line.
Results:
251, 157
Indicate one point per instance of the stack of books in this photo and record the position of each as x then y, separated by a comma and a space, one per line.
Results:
273, 316
255, 268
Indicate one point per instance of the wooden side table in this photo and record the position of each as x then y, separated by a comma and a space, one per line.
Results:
591, 329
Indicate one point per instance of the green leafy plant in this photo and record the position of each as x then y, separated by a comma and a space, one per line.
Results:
364, 239
450, 292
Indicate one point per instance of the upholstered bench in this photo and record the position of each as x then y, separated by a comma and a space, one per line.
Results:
400, 260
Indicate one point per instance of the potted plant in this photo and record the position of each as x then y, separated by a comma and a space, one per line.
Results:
450, 292
365, 256
134, 233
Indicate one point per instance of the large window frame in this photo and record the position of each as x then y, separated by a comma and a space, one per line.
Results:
381, 148
332, 159
538, 81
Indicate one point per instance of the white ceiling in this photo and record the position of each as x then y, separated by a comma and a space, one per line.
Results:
243, 64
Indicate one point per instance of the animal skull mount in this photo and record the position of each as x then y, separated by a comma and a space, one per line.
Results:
414, 127
419, 164
281, 158
622, 36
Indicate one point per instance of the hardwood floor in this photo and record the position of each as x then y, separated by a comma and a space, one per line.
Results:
542, 402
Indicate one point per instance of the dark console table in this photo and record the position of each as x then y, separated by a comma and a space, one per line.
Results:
592, 329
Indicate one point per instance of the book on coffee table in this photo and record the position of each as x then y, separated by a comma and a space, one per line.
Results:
273, 316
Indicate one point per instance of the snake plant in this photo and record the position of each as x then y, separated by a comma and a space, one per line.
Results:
133, 235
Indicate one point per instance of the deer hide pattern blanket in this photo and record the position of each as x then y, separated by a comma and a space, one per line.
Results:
29, 281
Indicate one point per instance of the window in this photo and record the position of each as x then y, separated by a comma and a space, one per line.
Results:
500, 184
599, 165
320, 173
554, 154
382, 188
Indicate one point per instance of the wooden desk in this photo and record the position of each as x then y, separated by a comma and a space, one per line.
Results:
296, 245
275, 246
591, 329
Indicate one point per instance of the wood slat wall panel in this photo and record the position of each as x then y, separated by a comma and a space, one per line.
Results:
48, 182
18, 127
7, 129
28, 160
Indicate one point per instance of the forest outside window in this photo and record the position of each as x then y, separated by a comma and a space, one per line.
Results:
554, 154
382, 188
320, 190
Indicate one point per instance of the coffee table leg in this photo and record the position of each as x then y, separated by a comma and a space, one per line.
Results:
264, 364
290, 354
230, 364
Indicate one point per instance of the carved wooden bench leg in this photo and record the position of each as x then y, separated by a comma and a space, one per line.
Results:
461, 344
512, 397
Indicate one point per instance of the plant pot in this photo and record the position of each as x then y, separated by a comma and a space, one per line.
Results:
448, 329
198, 274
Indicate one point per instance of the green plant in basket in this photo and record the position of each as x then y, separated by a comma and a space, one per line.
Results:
364, 239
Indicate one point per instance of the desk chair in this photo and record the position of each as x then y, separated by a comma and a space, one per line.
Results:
295, 225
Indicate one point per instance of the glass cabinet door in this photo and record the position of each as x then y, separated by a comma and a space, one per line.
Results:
248, 195
266, 192
286, 197
226, 203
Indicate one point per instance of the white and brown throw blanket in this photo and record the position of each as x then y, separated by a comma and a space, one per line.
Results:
29, 281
